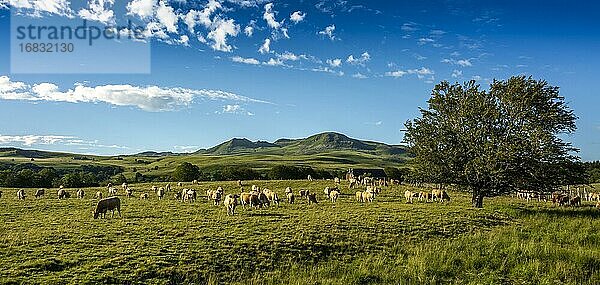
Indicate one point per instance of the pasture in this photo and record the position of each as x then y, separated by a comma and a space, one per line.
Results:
510, 241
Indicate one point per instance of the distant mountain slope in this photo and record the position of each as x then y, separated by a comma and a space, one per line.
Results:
236, 146
24, 153
329, 141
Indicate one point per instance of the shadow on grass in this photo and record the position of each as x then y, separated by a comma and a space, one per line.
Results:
585, 211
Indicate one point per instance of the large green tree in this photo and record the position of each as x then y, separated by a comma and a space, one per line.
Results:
186, 172
494, 142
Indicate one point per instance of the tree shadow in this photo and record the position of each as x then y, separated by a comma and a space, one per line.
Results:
584, 211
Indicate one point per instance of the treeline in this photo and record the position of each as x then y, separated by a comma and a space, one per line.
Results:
188, 172
30, 175
592, 170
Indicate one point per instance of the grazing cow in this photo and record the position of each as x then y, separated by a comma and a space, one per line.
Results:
231, 202
129, 192
0, 194
597, 204
245, 199
168, 187
445, 197
188, 195
112, 191
99, 195
368, 196
255, 188
39, 193
160, 193
144, 196
575, 201
359, 196
240, 184
288, 190
179, 184
264, 200
353, 183
271, 196
124, 185
333, 195
290, 197
327, 190
312, 198
216, 197
177, 196
337, 181
303, 193
195, 182
108, 204
425, 196
154, 189
63, 194
80, 194
21, 194
436, 195
309, 178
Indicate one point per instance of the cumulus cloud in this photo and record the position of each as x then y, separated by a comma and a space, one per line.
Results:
269, 17
239, 59
423, 41
249, 31
359, 75
460, 62
274, 62
420, 72
167, 17
141, 8
334, 62
37, 8
329, 30
147, 98
362, 60
266, 46
98, 10
223, 29
297, 17
456, 73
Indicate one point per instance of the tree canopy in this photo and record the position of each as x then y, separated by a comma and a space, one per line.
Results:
186, 172
495, 142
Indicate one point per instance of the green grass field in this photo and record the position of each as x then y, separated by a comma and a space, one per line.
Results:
47, 241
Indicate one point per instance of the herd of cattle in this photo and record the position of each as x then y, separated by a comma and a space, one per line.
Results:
561, 198
259, 198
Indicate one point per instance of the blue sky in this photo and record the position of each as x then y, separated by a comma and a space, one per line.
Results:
357, 67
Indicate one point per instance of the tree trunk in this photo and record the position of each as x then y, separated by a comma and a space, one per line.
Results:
477, 199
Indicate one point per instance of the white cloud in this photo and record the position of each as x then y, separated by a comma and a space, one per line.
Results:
239, 59
364, 58
269, 16
274, 62
334, 62
141, 8
423, 41
437, 32
329, 30
266, 46
409, 27
147, 98
291, 56
461, 62
166, 16
37, 8
359, 75
222, 29
31, 140
456, 73
99, 10
249, 30
297, 17
235, 109
420, 72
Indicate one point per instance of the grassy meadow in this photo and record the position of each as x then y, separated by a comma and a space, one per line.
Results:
51, 241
